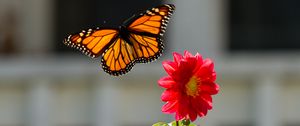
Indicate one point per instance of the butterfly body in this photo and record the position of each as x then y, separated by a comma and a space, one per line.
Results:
123, 33
138, 40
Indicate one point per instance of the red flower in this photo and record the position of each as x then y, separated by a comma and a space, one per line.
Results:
189, 86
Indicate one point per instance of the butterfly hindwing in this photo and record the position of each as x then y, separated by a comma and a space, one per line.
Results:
119, 58
147, 48
92, 42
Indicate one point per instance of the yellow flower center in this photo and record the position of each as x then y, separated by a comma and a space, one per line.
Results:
192, 87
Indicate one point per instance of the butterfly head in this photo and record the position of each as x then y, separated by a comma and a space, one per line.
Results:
122, 27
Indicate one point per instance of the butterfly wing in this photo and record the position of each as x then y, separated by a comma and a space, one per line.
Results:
146, 31
153, 21
143, 43
92, 42
146, 48
119, 57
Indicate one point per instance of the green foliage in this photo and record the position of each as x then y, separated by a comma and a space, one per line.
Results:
160, 124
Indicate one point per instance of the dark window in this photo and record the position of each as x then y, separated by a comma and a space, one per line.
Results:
264, 25
72, 16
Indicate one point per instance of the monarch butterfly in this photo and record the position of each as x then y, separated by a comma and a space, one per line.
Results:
138, 40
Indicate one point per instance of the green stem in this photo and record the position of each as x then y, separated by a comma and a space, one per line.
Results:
186, 122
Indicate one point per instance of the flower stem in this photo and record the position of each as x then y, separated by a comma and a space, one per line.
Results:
177, 123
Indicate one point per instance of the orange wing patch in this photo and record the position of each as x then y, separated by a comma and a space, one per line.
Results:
92, 42
153, 21
118, 58
147, 24
146, 48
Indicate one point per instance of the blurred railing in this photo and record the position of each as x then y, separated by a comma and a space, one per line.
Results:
254, 91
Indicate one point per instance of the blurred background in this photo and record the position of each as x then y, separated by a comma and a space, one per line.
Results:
254, 43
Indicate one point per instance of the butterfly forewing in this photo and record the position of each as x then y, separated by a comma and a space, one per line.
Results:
92, 42
153, 21
145, 32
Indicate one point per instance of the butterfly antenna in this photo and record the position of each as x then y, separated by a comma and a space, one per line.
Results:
126, 22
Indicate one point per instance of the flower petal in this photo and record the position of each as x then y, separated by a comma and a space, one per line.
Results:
197, 106
208, 63
206, 71
183, 106
202, 112
169, 66
178, 116
192, 62
182, 110
166, 82
207, 100
169, 107
169, 95
210, 88
177, 57
185, 69
187, 54
199, 57
192, 114
198, 63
